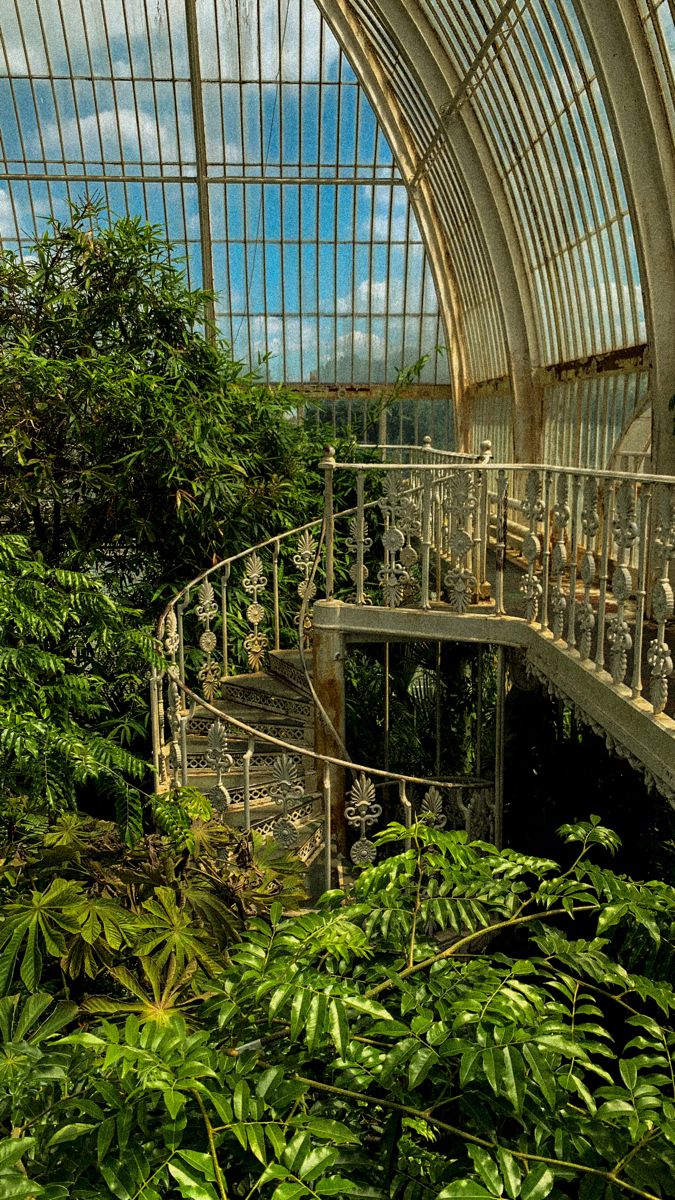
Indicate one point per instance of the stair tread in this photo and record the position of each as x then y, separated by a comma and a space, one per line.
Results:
262, 681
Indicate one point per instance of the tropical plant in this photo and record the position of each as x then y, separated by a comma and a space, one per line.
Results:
77, 905
458, 1031
58, 628
129, 440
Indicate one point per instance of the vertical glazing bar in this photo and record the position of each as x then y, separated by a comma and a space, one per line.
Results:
499, 747
328, 465
571, 625
426, 537
502, 518
275, 591
607, 501
327, 831
360, 537
641, 592
407, 811
224, 580
246, 771
546, 553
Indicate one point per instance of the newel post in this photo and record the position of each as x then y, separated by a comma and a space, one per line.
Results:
327, 465
328, 652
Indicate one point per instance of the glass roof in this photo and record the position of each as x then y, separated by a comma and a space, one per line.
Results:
539, 106
285, 188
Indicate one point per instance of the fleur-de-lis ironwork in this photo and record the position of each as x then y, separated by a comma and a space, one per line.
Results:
171, 638
561, 516
175, 718
432, 809
590, 523
285, 787
304, 560
209, 672
401, 525
533, 508
459, 507
219, 758
255, 582
625, 532
358, 573
362, 813
659, 656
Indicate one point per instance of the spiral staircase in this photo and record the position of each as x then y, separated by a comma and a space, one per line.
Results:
567, 569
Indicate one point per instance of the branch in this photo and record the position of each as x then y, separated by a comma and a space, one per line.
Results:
212, 1147
608, 1176
472, 937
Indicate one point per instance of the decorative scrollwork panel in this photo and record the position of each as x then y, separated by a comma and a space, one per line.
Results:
362, 813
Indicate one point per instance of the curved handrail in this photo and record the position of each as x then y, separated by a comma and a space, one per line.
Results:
555, 514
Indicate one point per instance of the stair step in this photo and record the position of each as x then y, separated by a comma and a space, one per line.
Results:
264, 814
265, 691
287, 665
205, 781
297, 732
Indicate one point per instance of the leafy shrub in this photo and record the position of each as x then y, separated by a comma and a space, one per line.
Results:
457, 1031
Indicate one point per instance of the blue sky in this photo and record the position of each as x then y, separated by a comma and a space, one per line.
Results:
321, 265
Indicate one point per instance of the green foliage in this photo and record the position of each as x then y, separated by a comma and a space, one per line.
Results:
78, 904
59, 627
457, 1030
128, 440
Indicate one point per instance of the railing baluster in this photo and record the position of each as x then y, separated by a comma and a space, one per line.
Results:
224, 580
571, 624
275, 592
426, 538
641, 591
659, 655
590, 524
328, 465
154, 724
360, 537
500, 553
533, 508
625, 533
246, 769
327, 829
180, 609
546, 555
607, 501
438, 535
407, 811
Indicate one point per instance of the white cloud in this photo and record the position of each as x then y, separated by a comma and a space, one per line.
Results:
7, 223
100, 136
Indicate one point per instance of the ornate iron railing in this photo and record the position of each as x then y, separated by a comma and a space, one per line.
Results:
583, 557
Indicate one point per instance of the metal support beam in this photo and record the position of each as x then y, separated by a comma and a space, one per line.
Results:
200, 154
419, 43
460, 94
632, 96
328, 647
352, 38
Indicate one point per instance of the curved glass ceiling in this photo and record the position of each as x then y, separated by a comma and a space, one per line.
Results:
284, 180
